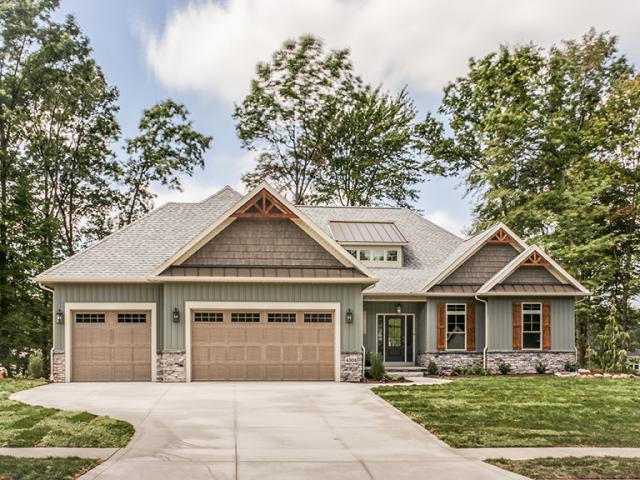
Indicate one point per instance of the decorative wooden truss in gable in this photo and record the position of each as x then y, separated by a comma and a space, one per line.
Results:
535, 260
263, 205
501, 236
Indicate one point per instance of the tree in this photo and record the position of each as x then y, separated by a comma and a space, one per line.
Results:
547, 142
167, 146
284, 115
371, 152
610, 347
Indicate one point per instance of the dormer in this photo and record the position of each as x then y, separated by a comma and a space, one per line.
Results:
375, 244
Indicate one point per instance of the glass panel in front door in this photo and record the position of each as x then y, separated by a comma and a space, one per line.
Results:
395, 339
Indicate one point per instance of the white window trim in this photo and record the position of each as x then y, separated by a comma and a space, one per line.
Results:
522, 323
189, 307
446, 327
378, 263
381, 316
68, 321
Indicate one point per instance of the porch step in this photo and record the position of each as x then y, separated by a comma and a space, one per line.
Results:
406, 373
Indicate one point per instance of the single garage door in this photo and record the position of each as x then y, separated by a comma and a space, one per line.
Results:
111, 346
262, 345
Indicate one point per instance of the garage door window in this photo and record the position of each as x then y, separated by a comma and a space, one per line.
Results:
245, 317
281, 317
89, 317
132, 318
318, 318
208, 317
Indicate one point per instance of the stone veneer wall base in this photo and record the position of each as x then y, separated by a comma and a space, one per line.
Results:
351, 367
57, 366
171, 367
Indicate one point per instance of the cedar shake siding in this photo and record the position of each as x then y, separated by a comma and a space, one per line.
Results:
482, 265
263, 243
531, 276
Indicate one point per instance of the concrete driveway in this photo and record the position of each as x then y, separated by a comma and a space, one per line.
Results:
261, 430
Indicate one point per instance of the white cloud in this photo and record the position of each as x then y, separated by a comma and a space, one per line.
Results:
447, 221
212, 48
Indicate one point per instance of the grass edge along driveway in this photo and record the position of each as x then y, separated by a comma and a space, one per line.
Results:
50, 468
23, 425
537, 411
578, 468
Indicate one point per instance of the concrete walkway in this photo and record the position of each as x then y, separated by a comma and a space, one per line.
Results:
100, 453
262, 430
527, 453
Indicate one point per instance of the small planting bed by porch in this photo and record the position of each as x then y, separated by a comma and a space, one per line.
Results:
23, 425
573, 468
538, 411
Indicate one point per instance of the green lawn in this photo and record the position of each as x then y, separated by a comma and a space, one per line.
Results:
573, 468
23, 425
542, 411
13, 468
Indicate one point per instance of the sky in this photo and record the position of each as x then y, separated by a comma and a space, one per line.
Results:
203, 54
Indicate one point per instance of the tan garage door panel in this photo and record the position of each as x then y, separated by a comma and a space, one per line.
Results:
111, 346
261, 350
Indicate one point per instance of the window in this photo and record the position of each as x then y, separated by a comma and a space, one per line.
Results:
281, 317
132, 318
207, 317
377, 255
392, 255
353, 253
531, 325
245, 317
456, 326
89, 317
318, 318
365, 255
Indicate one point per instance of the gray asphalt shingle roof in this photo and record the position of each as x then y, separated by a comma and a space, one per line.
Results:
140, 248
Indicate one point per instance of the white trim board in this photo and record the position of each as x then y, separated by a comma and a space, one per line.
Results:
68, 321
189, 306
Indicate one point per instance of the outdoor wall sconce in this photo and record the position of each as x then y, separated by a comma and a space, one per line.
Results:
349, 316
398, 309
59, 316
176, 315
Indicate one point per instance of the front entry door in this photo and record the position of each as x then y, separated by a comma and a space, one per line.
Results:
395, 345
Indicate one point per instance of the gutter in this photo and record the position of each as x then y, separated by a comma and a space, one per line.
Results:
486, 331
53, 308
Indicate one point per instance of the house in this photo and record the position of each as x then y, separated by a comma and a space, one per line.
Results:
251, 287
634, 361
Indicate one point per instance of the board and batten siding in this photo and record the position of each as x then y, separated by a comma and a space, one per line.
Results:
374, 308
562, 322
104, 293
349, 297
431, 339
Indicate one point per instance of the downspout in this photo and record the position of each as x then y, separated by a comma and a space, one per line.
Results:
53, 309
486, 331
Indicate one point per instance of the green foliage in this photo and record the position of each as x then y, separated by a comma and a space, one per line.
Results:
377, 370
547, 142
432, 368
36, 366
504, 368
570, 366
578, 468
541, 367
609, 349
470, 370
533, 411
62, 468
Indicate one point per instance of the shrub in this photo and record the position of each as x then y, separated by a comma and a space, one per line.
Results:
36, 366
504, 368
432, 368
377, 370
570, 366
541, 367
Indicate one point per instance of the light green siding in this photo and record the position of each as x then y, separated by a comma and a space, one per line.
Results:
562, 322
349, 297
102, 293
374, 308
431, 339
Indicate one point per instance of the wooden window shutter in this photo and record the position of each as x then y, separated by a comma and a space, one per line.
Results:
517, 326
546, 326
471, 327
442, 326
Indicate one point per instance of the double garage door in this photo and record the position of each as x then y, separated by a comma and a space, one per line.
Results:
262, 345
